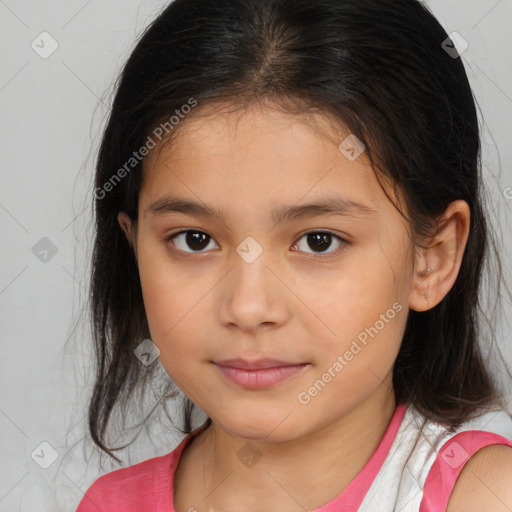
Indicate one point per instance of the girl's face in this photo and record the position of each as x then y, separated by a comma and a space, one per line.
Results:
246, 271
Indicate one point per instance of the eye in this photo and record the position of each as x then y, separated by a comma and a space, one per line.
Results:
194, 239
320, 240
198, 241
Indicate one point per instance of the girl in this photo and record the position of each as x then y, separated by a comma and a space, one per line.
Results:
288, 214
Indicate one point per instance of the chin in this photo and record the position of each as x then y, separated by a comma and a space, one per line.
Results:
256, 427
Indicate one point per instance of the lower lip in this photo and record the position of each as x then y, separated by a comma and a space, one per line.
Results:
259, 379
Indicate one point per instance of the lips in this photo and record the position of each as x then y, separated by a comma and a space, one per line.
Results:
259, 364
259, 374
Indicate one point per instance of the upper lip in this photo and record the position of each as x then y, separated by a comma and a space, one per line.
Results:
255, 365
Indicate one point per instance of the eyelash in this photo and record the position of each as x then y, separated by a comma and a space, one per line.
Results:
342, 241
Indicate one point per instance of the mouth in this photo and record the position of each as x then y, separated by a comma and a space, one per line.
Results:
259, 374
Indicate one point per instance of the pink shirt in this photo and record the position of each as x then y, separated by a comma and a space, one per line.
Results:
148, 485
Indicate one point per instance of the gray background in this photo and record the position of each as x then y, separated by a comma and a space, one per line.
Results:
52, 111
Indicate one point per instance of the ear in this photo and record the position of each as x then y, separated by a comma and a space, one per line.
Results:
130, 229
436, 266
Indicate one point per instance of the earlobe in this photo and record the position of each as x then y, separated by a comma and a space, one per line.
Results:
421, 298
437, 265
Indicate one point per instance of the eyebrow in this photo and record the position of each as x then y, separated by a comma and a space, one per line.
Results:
326, 206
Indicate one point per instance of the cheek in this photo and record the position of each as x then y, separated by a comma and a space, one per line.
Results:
364, 315
354, 366
177, 312
163, 295
349, 302
164, 287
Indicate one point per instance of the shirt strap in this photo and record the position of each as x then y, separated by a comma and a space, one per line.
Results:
449, 463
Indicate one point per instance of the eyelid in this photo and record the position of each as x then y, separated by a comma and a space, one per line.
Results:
338, 234
186, 230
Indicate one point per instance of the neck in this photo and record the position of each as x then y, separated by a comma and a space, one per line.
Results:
309, 471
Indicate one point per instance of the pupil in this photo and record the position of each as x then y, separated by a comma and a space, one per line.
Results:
194, 240
317, 239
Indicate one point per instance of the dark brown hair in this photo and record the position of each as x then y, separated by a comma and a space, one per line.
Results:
376, 66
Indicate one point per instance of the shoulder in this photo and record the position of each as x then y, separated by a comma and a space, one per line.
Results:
123, 489
466, 469
485, 482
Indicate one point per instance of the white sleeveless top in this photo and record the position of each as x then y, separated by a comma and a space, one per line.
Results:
420, 470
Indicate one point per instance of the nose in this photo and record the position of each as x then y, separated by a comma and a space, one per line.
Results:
253, 294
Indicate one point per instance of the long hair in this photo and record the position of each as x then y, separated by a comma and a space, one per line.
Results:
377, 67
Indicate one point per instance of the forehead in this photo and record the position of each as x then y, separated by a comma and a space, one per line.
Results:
225, 130
256, 157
